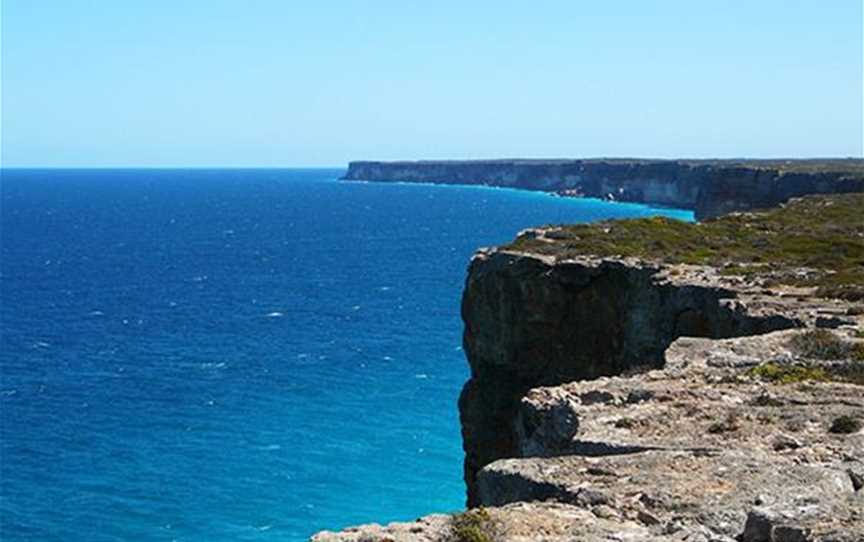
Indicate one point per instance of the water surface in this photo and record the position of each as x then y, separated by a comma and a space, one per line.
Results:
237, 354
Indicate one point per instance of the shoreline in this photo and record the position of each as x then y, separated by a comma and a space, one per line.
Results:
709, 188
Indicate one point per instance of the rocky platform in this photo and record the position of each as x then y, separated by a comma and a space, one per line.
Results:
640, 397
714, 445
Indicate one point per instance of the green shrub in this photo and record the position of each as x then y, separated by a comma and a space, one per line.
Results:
472, 526
789, 374
855, 310
823, 344
845, 425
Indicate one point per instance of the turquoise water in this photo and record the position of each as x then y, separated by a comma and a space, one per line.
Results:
237, 354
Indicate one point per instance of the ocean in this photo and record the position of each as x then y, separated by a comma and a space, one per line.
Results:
215, 355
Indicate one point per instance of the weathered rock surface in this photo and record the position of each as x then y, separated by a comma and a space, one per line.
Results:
427, 529
707, 399
517, 522
710, 187
668, 492
703, 444
532, 321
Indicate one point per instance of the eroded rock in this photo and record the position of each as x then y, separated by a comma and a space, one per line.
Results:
532, 321
710, 445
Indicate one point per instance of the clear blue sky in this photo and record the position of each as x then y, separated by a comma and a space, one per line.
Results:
290, 82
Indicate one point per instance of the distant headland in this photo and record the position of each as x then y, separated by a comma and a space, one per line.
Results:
709, 187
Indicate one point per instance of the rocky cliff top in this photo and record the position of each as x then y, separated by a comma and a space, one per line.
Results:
851, 166
816, 241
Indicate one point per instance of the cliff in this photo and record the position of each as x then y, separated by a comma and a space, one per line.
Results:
750, 439
650, 380
709, 187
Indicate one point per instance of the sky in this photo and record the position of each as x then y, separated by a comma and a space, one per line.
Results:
100, 83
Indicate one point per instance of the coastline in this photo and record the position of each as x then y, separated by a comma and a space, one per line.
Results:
708, 187
639, 392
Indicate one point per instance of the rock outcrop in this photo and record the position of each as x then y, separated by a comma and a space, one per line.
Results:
709, 187
523, 522
531, 321
706, 444
625, 398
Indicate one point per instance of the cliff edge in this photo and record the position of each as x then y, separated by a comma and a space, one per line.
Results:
651, 380
709, 187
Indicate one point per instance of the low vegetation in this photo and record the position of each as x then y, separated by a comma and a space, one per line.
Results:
472, 526
845, 425
824, 344
854, 167
729, 424
625, 423
789, 374
815, 241
813, 346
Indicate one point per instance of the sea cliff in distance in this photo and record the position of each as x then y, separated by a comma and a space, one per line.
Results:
709, 187
654, 380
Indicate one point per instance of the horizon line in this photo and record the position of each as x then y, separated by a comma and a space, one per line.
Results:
346, 164
168, 166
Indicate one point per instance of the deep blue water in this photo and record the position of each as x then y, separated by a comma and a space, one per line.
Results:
236, 354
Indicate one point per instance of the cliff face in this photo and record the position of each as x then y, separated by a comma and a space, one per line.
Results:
561, 304
531, 322
710, 188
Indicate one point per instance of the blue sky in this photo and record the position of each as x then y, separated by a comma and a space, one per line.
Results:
269, 83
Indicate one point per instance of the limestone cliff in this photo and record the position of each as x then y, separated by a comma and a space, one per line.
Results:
545, 311
709, 187
650, 381
531, 321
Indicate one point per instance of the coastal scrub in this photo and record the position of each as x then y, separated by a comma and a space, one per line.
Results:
472, 526
816, 241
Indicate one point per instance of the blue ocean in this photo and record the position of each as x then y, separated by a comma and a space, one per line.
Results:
215, 355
